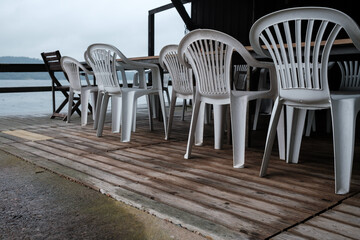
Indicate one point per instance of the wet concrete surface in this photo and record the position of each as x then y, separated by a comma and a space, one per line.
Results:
38, 204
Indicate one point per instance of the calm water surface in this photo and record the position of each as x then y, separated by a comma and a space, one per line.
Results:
38, 103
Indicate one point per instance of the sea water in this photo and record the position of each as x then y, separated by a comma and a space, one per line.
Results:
34, 103
26, 103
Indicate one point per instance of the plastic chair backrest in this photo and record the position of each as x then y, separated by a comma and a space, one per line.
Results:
209, 53
103, 59
91, 64
72, 68
299, 41
181, 76
350, 75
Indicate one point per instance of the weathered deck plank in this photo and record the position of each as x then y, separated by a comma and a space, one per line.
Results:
294, 201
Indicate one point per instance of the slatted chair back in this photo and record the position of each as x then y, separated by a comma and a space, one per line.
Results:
299, 42
72, 68
350, 75
103, 62
210, 60
181, 76
52, 64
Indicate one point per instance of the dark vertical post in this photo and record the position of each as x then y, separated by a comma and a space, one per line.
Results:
151, 34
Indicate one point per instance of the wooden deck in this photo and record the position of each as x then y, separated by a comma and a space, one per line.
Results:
205, 193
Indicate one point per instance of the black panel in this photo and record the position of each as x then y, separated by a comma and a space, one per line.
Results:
235, 17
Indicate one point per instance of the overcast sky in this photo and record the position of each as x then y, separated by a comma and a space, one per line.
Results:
29, 27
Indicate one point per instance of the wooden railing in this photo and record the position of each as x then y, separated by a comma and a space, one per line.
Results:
26, 67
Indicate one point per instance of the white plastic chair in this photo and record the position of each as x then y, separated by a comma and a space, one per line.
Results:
106, 60
209, 53
116, 104
182, 86
72, 68
100, 93
299, 41
181, 77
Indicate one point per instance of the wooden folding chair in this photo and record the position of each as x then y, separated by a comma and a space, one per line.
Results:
52, 64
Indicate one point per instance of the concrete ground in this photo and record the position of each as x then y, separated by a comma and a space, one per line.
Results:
38, 204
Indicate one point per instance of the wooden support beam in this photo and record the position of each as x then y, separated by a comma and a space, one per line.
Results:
178, 4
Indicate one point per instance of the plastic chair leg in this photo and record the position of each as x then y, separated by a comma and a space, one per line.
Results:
274, 119
93, 99
71, 97
163, 110
310, 122
219, 115
133, 128
102, 115
99, 100
281, 135
199, 131
115, 113
295, 124
151, 108
171, 113
257, 112
166, 90
208, 109
127, 115
85, 94
344, 119
193, 123
183, 110
238, 126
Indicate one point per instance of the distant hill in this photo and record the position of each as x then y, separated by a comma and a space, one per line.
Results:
33, 75
11, 59
25, 75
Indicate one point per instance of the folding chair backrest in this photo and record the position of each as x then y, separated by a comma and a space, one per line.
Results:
181, 76
52, 64
299, 41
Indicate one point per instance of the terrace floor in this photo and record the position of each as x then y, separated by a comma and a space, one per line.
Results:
204, 194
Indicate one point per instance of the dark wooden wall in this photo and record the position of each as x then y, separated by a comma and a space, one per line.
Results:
235, 17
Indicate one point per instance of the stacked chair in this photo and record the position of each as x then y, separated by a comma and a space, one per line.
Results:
182, 86
105, 60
